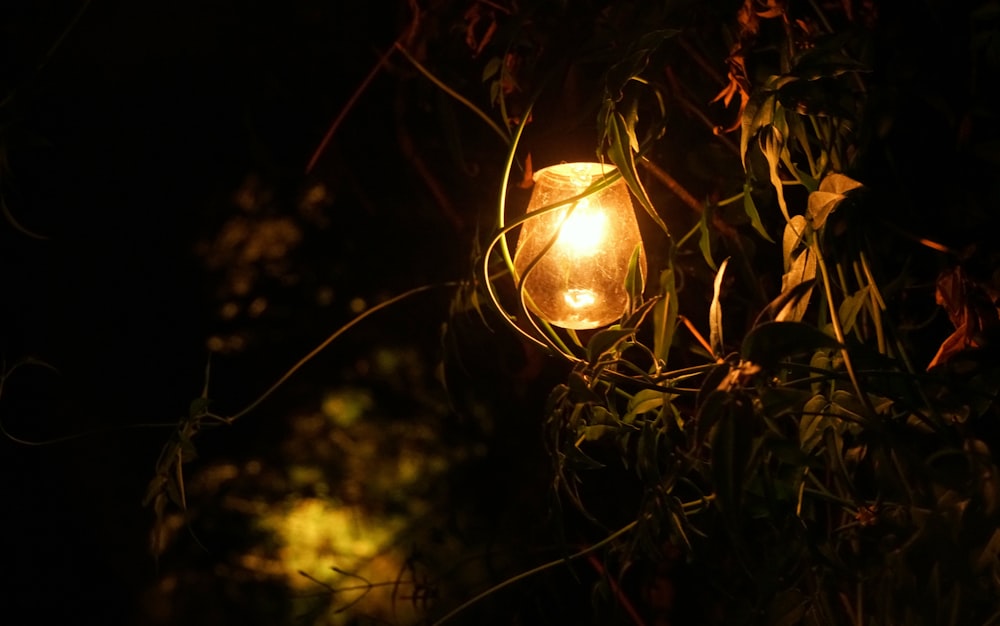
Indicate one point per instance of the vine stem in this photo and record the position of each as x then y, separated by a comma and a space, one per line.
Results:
337, 333
838, 330
541, 568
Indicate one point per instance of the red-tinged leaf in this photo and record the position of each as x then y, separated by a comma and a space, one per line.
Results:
528, 180
955, 343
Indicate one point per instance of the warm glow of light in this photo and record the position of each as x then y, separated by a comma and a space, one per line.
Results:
582, 233
574, 259
579, 298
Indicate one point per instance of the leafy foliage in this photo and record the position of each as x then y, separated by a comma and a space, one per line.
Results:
800, 466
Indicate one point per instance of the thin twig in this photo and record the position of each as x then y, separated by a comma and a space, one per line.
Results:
321, 148
672, 184
340, 331
537, 570
617, 590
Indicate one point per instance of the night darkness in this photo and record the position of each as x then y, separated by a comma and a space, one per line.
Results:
124, 151
157, 209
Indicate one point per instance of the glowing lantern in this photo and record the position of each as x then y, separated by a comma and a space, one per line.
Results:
582, 249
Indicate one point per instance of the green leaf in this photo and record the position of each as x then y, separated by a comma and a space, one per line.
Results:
622, 157
851, 307
750, 208
705, 237
772, 142
601, 415
759, 112
606, 341
830, 194
800, 267
492, 68
575, 459
635, 279
598, 431
796, 232
638, 316
715, 313
812, 423
779, 308
646, 401
772, 342
665, 316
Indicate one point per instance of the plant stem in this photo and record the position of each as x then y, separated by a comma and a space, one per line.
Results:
454, 94
838, 330
337, 333
537, 570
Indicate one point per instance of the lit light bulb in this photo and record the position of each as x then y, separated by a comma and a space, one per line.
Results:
582, 233
579, 254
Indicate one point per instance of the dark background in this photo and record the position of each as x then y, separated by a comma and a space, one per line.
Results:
128, 149
124, 150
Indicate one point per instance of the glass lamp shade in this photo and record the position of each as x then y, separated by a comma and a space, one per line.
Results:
578, 281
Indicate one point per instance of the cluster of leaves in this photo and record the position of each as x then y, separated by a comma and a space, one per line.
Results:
809, 472
814, 475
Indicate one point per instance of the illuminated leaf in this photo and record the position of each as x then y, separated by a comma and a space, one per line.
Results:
785, 302
772, 143
820, 205
665, 316
646, 401
802, 272
852, 306
605, 341
758, 113
812, 423
795, 232
715, 313
838, 183
621, 155
599, 431
634, 284
800, 268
